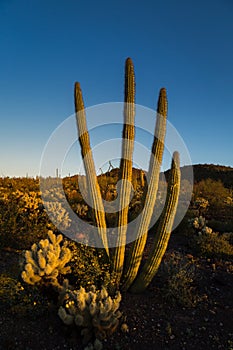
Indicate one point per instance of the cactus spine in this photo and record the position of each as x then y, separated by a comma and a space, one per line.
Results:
136, 251
164, 229
125, 170
92, 183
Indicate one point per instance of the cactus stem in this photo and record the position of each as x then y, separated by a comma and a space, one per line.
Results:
164, 230
125, 170
137, 248
93, 189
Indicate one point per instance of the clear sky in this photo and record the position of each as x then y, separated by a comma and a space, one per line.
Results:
47, 45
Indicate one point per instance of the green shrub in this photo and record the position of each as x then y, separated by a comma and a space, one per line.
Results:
214, 245
177, 274
87, 266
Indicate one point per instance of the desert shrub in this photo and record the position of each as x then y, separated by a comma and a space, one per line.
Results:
211, 190
88, 267
18, 299
136, 203
214, 245
21, 212
10, 290
177, 275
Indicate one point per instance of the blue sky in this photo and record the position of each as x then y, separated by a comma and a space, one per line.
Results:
185, 46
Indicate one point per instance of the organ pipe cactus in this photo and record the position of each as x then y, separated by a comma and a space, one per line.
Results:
125, 272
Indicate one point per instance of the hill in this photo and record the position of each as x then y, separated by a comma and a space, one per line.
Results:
200, 172
211, 171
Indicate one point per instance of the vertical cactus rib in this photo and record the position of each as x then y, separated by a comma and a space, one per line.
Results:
125, 170
136, 250
164, 229
94, 193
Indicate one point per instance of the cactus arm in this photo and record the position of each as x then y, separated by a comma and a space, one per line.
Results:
136, 251
164, 230
125, 170
92, 183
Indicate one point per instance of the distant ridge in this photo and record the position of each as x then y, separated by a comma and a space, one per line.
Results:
210, 171
200, 172
207, 171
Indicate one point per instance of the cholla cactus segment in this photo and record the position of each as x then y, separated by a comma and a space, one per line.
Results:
46, 260
93, 311
82, 209
201, 202
198, 223
66, 318
207, 230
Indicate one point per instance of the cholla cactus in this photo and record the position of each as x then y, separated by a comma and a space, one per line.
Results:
53, 194
58, 214
82, 210
46, 260
201, 204
94, 312
199, 224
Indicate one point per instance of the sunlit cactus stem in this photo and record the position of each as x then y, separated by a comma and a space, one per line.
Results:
93, 189
142, 181
163, 232
125, 170
135, 255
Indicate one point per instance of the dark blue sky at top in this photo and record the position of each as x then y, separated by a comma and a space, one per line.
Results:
186, 46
